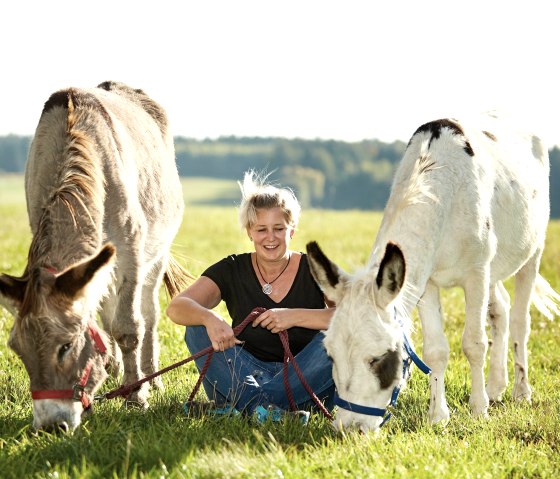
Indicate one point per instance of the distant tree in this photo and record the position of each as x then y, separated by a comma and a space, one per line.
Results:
308, 184
13, 153
324, 173
555, 182
361, 190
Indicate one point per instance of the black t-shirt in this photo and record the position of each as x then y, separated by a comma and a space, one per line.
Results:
241, 291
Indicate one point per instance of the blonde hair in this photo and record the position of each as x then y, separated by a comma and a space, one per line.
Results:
257, 194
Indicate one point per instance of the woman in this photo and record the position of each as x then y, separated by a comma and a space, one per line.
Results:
247, 374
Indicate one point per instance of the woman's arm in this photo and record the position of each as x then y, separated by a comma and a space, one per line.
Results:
193, 307
280, 319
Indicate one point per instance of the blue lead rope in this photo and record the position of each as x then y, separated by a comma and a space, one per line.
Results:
415, 358
410, 357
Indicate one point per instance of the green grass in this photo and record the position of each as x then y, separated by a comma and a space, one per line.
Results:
517, 441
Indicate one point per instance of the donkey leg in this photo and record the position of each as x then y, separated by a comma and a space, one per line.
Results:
107, 313
151, 312
128, 330
498, 314
435, 350
521, 325
475, 340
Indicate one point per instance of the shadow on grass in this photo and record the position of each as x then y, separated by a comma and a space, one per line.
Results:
117, 442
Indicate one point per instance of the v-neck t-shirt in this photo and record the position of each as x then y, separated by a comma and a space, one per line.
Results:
242, 292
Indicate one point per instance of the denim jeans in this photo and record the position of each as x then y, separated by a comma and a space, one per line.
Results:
237, 378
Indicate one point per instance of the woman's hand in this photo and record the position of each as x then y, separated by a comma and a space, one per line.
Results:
221, 334
275, 320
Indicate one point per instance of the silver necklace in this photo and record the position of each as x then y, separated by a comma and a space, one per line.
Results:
267, 286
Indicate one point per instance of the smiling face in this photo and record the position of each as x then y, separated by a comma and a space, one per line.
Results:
270, 234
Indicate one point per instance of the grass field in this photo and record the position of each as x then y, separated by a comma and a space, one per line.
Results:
516, 441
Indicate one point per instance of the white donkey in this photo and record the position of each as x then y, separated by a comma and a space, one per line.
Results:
469, 207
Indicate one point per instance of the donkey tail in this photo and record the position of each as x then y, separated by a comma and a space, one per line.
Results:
545, 299
176, 278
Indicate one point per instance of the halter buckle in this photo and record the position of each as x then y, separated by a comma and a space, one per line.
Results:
79, 391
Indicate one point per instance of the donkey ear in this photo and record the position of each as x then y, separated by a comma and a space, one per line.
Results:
12, 291
328, 275
391, 275
72, 282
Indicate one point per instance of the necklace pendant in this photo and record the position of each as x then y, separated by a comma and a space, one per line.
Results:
267, 288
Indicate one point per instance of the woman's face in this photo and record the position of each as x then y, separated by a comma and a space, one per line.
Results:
271, 234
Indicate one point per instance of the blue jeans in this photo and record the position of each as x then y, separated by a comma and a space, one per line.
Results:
237, 378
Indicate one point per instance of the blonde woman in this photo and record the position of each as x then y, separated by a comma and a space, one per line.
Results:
247, 372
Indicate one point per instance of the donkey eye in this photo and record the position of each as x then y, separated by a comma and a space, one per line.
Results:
63, 350
374, 361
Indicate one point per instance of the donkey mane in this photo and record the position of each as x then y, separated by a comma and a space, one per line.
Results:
415, 190
80, 189
418, 189
46, 327
81, 175
33, 301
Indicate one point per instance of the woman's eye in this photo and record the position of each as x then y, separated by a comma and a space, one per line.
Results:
63, 350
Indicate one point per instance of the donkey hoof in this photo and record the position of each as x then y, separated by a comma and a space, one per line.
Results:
522, 393
135, 404
157, 383
441, 418
138, 399
495, 393
523, 398
495, 398
480, 412
439, 414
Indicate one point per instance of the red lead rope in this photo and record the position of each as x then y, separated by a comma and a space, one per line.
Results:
289, 358
124, 391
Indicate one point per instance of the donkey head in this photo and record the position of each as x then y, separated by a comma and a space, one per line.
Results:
362, 340
56, 337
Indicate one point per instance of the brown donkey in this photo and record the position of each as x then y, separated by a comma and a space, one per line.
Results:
105, 203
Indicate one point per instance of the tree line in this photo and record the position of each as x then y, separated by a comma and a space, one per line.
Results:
324, 173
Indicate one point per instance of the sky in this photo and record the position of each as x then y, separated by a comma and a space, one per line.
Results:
345, 70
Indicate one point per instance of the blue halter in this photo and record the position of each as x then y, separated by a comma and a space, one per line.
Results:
410, 357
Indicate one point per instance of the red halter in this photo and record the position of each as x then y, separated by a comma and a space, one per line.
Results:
77, 393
